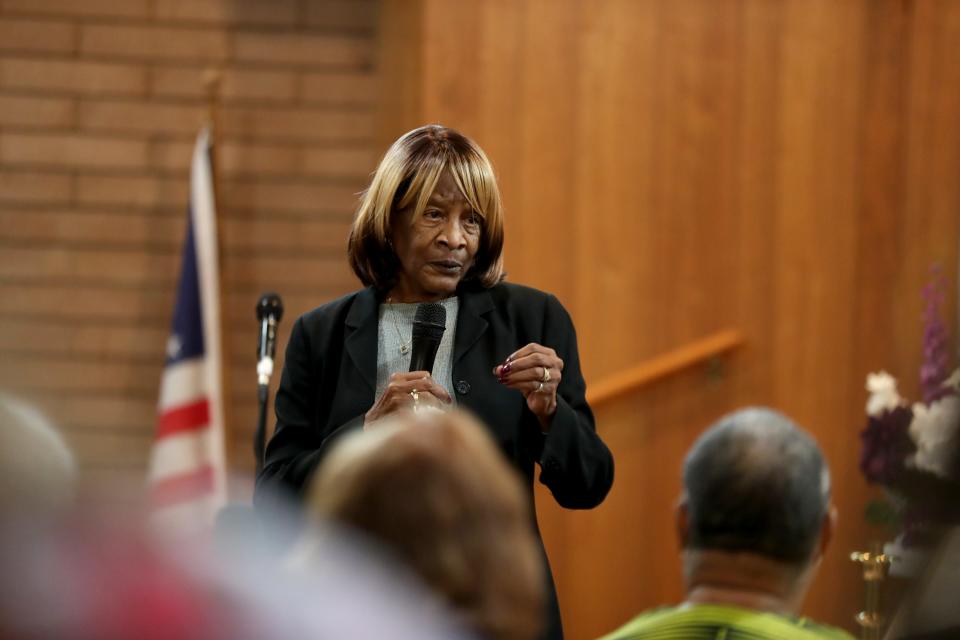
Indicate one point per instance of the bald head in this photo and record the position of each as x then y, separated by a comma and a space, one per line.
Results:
755, 482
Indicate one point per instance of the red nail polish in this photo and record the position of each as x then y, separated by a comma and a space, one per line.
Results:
506, 368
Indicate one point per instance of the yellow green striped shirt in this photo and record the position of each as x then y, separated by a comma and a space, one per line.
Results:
716, 622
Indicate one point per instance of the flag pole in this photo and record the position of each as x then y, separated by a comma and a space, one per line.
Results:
212, 80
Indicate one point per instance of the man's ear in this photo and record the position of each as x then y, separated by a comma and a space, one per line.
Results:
827, 527
682, 521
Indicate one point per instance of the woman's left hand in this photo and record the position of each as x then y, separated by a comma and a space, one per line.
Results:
535, 371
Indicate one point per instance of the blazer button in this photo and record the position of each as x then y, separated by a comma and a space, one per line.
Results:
463, 387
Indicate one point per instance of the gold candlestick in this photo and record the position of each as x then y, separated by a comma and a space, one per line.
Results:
875, 565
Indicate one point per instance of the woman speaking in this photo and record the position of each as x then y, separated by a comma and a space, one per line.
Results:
429, 229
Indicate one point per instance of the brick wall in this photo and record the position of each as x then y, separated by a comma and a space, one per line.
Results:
99, 103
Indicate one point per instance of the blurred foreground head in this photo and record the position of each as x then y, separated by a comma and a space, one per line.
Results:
37, 470
435, 491
756, 491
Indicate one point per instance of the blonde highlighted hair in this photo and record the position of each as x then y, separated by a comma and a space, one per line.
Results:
407, 176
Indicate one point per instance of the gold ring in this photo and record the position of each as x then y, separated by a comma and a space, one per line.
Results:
546, 375
539, 387
416, 397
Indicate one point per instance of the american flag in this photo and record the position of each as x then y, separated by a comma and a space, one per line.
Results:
187, 463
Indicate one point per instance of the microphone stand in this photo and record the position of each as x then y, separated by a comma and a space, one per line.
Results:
260, 435
269, 311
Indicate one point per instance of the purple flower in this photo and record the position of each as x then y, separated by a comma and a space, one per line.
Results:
936, 348
886, 445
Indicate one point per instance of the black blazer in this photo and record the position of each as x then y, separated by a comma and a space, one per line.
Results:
329, 380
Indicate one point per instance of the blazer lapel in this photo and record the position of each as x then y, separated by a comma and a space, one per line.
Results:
361, 339
471, 324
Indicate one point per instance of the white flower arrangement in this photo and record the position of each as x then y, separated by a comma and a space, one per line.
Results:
883, 393
935, 430
912, 450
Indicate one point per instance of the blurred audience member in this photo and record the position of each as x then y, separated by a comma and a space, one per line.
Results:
930, 610
85, 571
37, 470
434, 490
105, 579
754, 522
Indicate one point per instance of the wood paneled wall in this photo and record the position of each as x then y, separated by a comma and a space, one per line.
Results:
789, 169
99, 104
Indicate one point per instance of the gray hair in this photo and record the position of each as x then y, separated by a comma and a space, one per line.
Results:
756, 482
38, 473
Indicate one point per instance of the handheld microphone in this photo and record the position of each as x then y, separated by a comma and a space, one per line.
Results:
429, 323
269, 312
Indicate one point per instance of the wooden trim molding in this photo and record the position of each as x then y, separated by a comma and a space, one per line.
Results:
662, 366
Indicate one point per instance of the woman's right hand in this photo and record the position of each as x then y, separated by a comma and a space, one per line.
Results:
399, 395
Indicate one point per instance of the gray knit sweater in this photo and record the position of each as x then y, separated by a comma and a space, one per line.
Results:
395, 328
